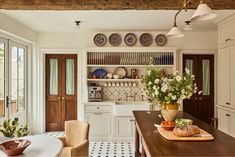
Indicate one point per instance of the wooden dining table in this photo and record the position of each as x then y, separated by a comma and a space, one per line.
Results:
154, 144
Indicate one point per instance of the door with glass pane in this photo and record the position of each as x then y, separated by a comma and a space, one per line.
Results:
61, 91
17, 79
3, 79
201, 106
12, 80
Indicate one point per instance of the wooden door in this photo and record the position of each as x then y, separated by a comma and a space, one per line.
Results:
201, 106
61, 90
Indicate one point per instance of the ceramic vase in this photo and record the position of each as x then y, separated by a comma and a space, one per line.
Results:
169, 111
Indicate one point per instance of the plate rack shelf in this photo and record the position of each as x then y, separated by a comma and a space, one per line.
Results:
128, 58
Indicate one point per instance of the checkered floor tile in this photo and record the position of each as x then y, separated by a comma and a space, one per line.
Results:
104, 149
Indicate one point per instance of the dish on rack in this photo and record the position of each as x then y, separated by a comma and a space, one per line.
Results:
121, 71
146, 39
130, 39
99, 73
115, 39
99, 39
161, 40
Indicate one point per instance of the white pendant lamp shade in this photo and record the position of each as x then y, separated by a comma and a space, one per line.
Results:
175, 33
203, 13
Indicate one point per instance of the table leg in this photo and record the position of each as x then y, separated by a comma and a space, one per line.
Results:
143, 152
137, 143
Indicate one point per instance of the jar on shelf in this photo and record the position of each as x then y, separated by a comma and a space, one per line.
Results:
134, 73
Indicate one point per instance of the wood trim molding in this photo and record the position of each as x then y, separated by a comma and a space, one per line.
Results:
109, 4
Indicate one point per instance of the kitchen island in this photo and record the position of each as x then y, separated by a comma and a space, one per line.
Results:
154, 144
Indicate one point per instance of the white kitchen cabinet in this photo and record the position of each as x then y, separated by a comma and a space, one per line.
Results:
223, 121
227, 77
99, 116
100, 124
226, 121
124, 126
226, 32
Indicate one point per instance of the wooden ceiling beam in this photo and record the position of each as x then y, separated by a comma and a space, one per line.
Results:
109, 4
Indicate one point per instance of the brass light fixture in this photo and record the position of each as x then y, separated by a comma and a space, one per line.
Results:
202, 13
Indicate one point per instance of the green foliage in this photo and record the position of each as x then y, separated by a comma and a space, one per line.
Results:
10, 128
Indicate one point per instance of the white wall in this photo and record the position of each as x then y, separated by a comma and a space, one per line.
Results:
83, 39
15, 30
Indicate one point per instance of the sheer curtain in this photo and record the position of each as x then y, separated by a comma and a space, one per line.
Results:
69, 76
206, 77
53, 76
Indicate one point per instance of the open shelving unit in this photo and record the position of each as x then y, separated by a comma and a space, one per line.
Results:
139, 58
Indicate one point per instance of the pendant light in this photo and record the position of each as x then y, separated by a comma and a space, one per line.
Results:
203, 13
175, 31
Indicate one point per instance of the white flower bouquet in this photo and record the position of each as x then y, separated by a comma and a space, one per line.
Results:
162, 90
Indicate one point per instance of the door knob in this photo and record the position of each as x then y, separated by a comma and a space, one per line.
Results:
62, 98
200, 98
58, 98
195, 98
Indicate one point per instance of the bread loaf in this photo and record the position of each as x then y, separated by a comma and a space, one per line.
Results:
186, 130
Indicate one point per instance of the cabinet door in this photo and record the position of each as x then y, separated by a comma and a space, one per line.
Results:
226, 32
224, 77
99, 123
232, 124
232, 79
124, 126
224, 121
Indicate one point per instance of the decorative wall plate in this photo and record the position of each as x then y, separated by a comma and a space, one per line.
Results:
121, 71
130, 39
161, 39
115, 39
146, 39
99, 39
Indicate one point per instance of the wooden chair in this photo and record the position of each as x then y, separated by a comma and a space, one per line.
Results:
75, 141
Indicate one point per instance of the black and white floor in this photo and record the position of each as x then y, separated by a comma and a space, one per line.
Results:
105, 149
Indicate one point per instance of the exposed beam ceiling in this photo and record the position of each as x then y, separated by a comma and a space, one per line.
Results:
109, 4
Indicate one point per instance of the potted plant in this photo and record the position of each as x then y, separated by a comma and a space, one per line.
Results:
10, 128
168, 93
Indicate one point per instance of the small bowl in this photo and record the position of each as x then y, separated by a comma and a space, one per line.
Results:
168, 125
116, 76
14, 147
168, 128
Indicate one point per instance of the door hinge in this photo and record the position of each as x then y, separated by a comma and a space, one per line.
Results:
7, 101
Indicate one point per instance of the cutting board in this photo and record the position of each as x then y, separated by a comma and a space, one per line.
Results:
169, 135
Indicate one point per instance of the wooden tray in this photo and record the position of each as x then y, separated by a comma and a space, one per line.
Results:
169, 135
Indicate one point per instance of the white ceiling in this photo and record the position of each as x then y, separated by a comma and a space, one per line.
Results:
109, 20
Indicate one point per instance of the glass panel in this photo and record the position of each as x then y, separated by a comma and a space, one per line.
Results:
21, 67
53, 77
205, 77
69, 76
189, 65
21, 95
14, 73
21, 79
2, 79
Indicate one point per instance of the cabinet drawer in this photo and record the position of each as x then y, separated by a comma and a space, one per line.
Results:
98, 108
